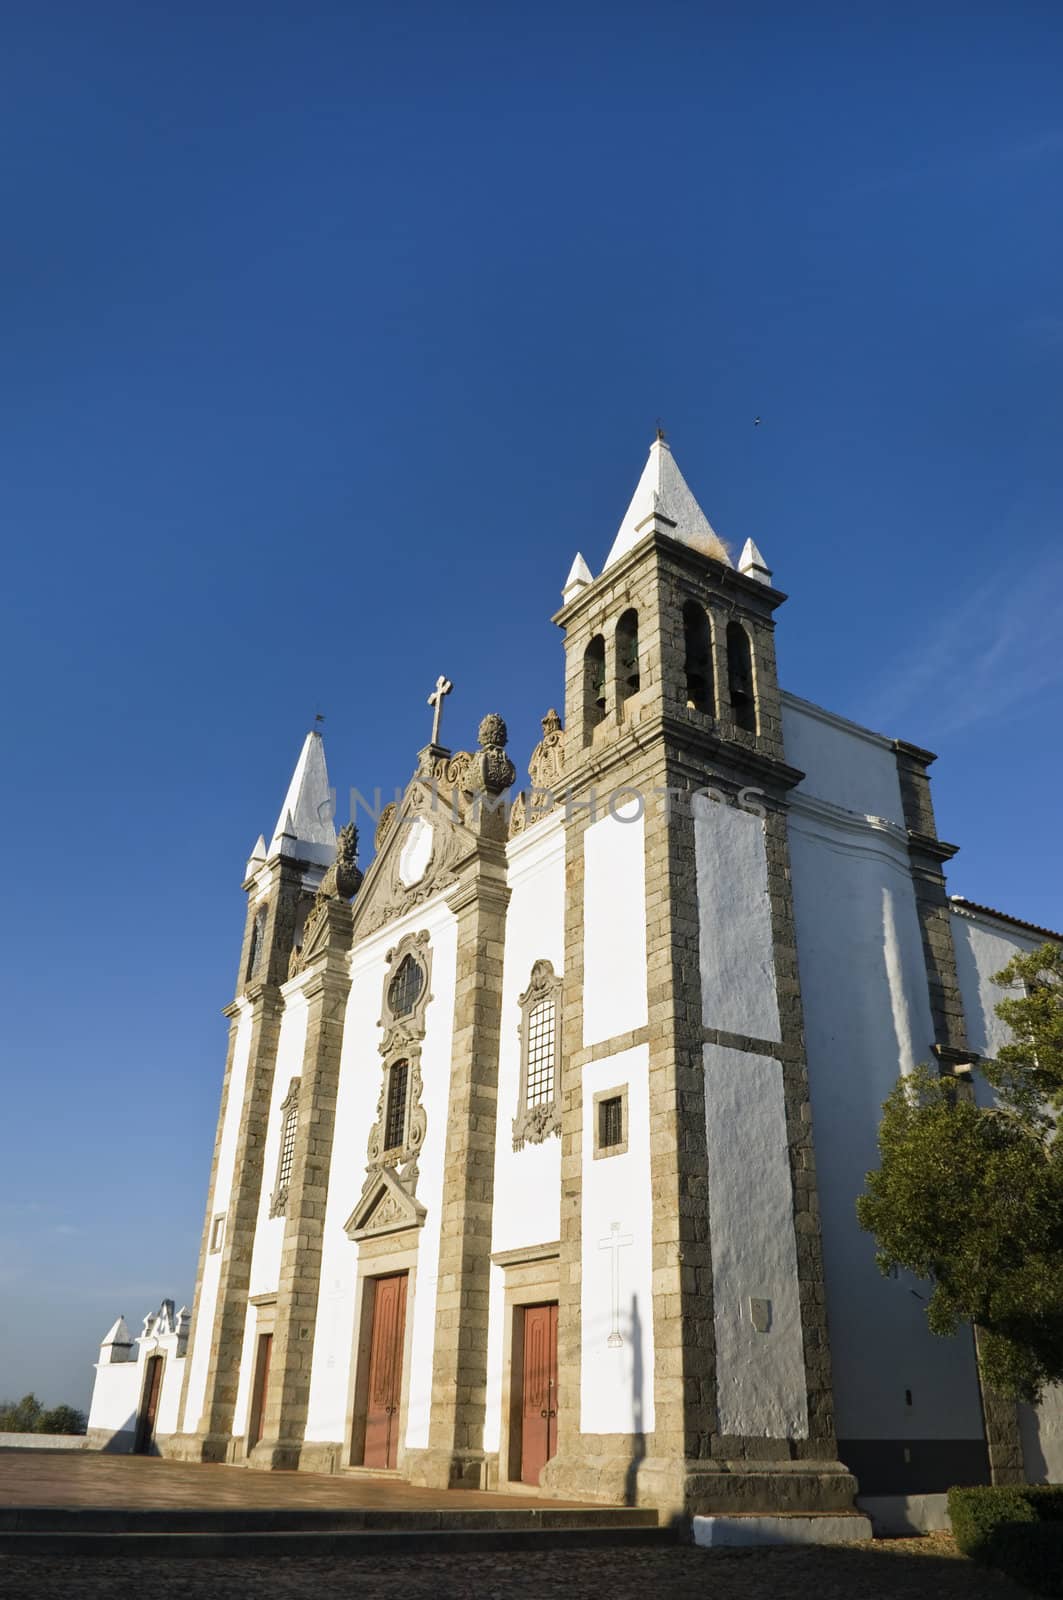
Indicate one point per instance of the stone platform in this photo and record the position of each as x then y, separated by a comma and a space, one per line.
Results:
83, 1503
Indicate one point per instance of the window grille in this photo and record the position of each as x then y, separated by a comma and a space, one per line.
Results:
395, 1120
610, 1122
541, 1033
404, 990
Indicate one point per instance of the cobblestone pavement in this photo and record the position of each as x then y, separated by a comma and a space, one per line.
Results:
916, 1569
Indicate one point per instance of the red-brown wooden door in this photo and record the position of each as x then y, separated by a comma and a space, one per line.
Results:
538, 1434
263, 1357
150, 1408
385, 1372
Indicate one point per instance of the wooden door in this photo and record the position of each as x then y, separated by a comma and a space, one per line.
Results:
263, 1356
538, 1433
150, 1408
385, 1372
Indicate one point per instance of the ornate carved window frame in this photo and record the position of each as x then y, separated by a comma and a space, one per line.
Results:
289, 1115
401, 1041
534, 1124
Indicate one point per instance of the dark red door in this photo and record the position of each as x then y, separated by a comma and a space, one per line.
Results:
385, 1372
150, 1408
538, 1437
263, 1357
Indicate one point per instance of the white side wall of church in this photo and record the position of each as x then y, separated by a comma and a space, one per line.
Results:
760, 1372
527, 1201
361, 1076
867, 1017
616, 1308
203, 1313
614, 926
844, 764
115, 1397
734, 917
983, 946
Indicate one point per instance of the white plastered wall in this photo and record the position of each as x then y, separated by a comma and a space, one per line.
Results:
734, 917
867, 1019
199, 1355
614, 925
527, 1199
760, 1372
115, 1397
616, 1379
361, 1070
983, 946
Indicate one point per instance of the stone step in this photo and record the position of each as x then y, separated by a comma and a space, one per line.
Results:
332, 1519
396, 1542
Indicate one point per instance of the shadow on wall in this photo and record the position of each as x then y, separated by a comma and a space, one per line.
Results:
638, 1453
118, 1441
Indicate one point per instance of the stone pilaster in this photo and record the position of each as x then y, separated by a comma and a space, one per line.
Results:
928, 855
278, 890
455, 1455
326, 988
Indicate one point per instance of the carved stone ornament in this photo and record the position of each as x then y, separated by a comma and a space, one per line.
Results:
546, 769
289, 1112
388, 897
535, 1123
384, 826
341, 882
402, 1019
384, 1207
494, 770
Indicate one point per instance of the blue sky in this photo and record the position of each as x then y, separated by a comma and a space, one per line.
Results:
330, 333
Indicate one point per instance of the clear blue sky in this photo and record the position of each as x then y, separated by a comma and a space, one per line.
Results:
331, 332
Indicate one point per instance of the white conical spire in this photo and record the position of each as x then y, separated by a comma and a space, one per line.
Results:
305, 827
753, 564
663, 503
579, 577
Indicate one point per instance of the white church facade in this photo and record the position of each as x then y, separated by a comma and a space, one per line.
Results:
539, 1142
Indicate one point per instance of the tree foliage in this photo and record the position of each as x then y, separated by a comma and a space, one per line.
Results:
970, 1198
28, 1415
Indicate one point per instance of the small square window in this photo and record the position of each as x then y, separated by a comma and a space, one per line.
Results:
217, 1233
610, 1122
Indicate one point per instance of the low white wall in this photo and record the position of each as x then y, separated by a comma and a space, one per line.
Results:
42, 1441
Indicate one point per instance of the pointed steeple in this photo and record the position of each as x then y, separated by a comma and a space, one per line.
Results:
663, 503
305, 828
579, 577
753, 564
116, 1344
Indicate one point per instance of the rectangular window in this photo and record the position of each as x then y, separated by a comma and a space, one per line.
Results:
610, 1122
288, 1133
217, 1233
541, 1033
395, 1122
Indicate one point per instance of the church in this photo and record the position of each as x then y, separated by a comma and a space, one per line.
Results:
541, 1130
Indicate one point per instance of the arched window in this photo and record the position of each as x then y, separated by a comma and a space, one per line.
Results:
405, 988
395, 1116
740, 677
627, 656
594, 683
697, 642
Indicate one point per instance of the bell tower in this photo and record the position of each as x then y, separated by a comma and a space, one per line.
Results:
682, 1013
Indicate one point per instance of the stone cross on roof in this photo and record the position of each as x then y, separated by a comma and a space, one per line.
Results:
443, 687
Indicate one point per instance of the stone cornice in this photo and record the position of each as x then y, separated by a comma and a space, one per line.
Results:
696, 749
527, 1254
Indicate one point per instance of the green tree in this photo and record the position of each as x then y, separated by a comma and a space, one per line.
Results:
970, 1198
62, 1419
21, 1416
29, 1416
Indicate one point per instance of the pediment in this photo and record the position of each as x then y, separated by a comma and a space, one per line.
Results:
418, 854
385, 1207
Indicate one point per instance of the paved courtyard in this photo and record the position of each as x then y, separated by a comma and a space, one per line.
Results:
926, 1569
89, 1478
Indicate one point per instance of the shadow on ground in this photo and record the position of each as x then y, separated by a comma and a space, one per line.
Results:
888, 1570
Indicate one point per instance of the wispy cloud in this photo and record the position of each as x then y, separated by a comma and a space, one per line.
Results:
995, 652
